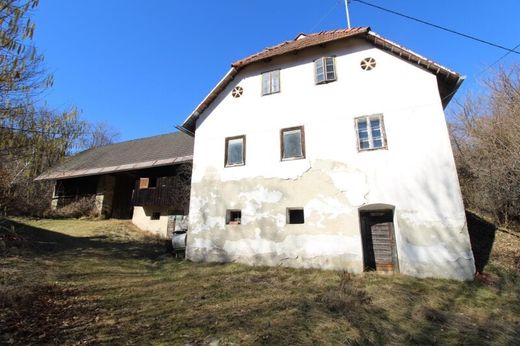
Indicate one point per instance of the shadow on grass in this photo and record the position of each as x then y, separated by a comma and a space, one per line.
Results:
29, 240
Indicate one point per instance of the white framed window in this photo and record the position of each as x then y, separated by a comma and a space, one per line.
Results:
370, 132
325, 70
270, 82
235, 151
292, 143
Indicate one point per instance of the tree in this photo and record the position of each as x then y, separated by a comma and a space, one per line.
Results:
486, 137
100, 134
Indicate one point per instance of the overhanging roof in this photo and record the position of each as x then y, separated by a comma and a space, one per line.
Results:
447, 80
162, 150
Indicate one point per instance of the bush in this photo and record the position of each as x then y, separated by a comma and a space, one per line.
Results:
83, 207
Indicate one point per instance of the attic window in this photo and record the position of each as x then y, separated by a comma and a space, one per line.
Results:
270, 82
368, 64
295, 216
237, 91
325, 70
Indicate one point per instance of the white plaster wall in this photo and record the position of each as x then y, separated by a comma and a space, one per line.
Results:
416, 173
142, 219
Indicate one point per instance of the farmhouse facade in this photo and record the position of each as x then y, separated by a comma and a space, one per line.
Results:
329, 151
146, 180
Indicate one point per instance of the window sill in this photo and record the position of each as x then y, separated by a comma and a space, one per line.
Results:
235, 165
273, 93
293, 158
326, 82
372, 149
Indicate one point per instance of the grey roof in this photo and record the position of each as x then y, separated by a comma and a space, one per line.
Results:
140, 153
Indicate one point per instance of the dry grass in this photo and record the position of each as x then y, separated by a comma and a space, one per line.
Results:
104, 282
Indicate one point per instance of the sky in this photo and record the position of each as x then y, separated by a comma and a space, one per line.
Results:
143, 66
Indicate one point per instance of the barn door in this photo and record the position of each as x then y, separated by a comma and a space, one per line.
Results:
378, 241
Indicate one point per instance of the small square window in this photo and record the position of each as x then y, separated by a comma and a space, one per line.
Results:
233, 217
270, 82
370, 132
152, 182
325, 70
156, 215
235, 151
292, 143
295, 216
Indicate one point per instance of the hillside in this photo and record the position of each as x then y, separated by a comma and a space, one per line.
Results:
104, 282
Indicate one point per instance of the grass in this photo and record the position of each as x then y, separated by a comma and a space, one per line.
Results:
74, 282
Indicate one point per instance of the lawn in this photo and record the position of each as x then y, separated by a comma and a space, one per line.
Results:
71, 282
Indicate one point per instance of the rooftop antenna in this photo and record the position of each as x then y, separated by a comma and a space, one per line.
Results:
348, 15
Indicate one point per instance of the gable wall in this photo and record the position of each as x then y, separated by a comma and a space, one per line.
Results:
416, 174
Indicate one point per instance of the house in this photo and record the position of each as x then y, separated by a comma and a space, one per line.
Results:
146, 180
329, 151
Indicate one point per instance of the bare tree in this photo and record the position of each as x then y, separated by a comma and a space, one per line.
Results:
100, 134
486, 138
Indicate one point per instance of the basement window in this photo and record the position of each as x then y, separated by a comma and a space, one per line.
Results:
370, 132
235, 151
156, 215
292, 143
325, 70
270, 82
233, 217
295, 216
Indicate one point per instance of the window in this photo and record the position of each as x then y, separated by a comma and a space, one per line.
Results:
325, 70
147, 183
295, 216
143, 183
233, 217
370, 132
292, 143
270, 82
156, 215
235, 151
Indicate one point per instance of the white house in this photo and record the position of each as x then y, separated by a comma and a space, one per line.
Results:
329, 151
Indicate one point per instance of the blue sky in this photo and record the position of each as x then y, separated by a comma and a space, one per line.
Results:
143, 66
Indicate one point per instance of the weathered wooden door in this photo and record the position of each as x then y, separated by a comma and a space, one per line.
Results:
383, 246
379, 250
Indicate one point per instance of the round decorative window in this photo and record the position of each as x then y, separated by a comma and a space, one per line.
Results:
237, 91
368, 64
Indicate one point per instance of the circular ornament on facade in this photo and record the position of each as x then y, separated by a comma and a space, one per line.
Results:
368, 64
237, 91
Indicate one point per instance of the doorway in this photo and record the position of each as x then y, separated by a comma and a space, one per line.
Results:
378, 237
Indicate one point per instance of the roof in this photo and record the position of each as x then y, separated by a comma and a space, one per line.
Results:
447, 80
162, 150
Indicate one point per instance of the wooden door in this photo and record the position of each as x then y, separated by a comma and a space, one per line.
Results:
383, 246
379, 250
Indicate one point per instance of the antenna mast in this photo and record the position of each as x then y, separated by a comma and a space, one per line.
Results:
348, 15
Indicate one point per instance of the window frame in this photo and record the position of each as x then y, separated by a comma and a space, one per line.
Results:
228, 217
288, 218
226, 145
324, 62
270, 74
302, 143
368, 118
